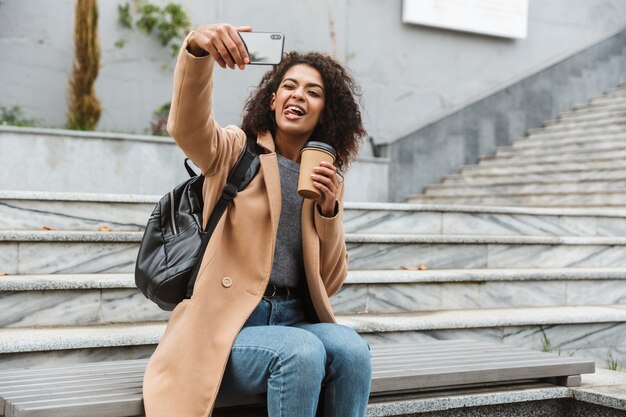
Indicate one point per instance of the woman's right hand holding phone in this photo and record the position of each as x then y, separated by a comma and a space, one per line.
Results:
222, 42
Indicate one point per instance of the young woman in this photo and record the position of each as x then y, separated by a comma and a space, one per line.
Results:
260, 318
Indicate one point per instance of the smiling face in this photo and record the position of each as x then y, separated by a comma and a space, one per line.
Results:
299, 101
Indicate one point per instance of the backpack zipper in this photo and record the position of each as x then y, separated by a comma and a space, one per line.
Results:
173, 212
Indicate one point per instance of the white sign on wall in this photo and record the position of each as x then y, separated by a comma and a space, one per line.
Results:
504, 18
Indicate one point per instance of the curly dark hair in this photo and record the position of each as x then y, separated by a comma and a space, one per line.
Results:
342, 127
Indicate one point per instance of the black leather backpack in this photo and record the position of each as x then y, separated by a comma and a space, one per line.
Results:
173, 243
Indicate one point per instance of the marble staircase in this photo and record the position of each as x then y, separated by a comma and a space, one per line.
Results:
576, 160
574, 164
518, 275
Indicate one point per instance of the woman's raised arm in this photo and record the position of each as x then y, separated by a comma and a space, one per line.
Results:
191, 122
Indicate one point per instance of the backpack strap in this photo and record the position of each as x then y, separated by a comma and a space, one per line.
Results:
189, 169
239, 177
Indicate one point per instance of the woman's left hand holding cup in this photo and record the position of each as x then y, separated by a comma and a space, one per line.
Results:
325, 179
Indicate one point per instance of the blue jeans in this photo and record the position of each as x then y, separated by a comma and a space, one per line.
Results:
299, 363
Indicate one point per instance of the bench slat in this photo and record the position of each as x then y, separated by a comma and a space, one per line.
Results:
68, 389
61, 382
10, 374
27, 398
446, 345
75, 399
487, 360
452, 357
465, 376
446, 350
379, 347
452, 350
124, 406
560, 369
71, 377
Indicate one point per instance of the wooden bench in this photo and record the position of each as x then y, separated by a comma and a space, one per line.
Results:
114, 389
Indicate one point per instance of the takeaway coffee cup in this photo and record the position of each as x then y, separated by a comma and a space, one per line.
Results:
310, 157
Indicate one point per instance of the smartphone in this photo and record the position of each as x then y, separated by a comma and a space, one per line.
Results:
264, 48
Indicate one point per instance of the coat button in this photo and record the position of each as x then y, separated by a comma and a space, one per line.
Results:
227, 282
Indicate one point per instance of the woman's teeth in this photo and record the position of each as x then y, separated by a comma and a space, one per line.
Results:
296, 110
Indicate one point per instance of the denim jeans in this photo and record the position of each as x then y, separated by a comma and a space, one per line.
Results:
299, 364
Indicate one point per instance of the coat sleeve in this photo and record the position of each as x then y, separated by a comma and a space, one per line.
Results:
191, 122
333, 252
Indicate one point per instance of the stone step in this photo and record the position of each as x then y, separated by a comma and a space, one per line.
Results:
601, 102
597, 175
105, 299
608, 99
547, 168
539, 142
36, 253
585, 332
39, 252
592, 113
610, 105
620, 90
572, 148
576, 124
543, 133
479, 252
32, 210
575, 187
612, 200
484, 318
551, 157
69, 300
617, 91
588, 330
54, 346
581, 132
471, 220
412, 291
58, 211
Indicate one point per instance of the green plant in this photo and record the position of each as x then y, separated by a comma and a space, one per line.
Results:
84, 106
546, 344
613, 363
125, 17
159, 121
171, 22
13, 117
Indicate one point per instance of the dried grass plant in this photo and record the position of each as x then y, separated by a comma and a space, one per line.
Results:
84, 106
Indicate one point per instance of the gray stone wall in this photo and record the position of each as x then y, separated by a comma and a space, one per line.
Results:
97, 162
410, 74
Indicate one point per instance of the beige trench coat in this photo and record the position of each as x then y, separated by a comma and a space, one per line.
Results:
184, 374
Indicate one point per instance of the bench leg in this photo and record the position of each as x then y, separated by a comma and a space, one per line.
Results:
566, 381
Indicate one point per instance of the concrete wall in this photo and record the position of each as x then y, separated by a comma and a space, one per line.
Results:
410, 74
97, 162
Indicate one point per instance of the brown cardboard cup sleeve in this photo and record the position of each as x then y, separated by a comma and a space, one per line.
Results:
311, 155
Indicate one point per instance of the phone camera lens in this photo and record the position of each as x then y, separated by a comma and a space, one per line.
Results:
276, 37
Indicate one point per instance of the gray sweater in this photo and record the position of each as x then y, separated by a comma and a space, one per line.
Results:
288, 267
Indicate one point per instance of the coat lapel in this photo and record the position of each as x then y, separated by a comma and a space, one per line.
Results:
311, 253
